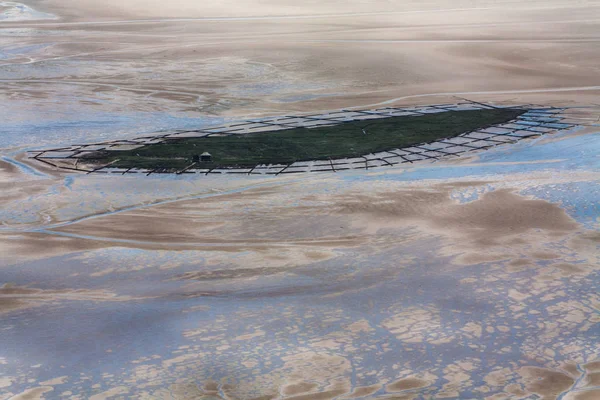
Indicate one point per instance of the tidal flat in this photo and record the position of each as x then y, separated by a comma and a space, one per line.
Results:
474, 277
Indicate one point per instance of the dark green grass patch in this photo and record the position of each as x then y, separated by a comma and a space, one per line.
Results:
319, 143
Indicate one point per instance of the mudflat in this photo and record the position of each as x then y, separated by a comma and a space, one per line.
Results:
470, 277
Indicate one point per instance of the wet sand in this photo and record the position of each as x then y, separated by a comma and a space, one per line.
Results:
246, 67
475, 277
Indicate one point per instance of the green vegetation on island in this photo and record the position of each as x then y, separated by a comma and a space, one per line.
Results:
350, 139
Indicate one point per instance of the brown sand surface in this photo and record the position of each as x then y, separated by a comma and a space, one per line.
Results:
17, 297
478, 281
367, 53
278, 221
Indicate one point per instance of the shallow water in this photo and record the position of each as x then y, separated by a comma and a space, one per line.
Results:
368, 315
471, 278
12, 11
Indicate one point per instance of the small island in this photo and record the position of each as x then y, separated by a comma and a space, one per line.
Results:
341, 139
